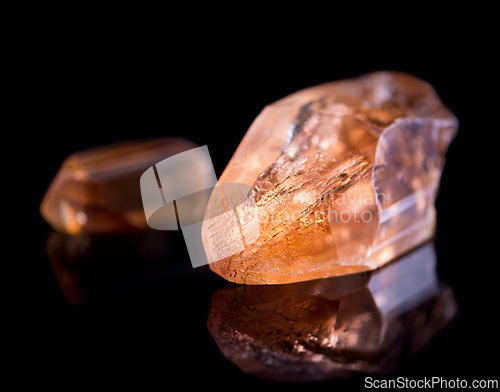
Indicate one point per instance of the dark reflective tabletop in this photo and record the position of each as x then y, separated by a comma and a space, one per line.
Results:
137, 299
102, 312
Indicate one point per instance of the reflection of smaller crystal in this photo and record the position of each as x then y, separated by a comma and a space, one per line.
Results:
327, 328
97, 191
92, 267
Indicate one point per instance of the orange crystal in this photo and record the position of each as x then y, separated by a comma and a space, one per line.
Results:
344, 177
98, 190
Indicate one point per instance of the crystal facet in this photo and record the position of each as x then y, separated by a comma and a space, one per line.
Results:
344, 177
97, 191
328, 328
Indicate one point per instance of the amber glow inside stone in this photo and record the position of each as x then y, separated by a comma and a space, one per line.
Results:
344, 176
98, 190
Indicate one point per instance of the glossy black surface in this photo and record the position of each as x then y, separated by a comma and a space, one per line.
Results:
90, 76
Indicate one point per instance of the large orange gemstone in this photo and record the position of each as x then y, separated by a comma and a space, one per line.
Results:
344, 177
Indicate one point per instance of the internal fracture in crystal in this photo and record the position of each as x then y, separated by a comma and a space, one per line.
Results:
344, 176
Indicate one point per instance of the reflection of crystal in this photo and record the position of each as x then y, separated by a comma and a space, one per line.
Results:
344, 177
90, 267
329, 328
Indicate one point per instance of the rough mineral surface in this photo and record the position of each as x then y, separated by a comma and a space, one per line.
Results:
344, 177
97, 191
334, 327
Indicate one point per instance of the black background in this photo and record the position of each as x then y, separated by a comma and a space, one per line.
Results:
82, 75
